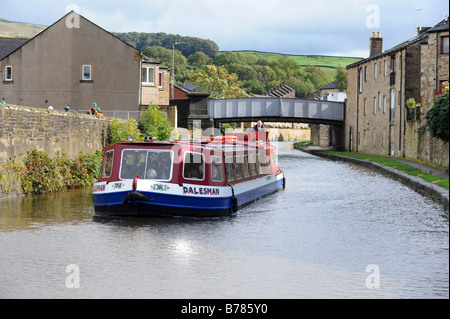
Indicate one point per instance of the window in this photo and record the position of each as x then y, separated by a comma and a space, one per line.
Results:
360, 80
252, 162
392, 115
216, 169
8, 73
151, 164
444, 45
161, 80
108, 164
246, 168
375, 71
375, 105
385, 68
379, 100
238, 160
86, 72
229, 167
148, 75
384, 104
194, 166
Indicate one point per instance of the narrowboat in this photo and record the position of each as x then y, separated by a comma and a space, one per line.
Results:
207, 176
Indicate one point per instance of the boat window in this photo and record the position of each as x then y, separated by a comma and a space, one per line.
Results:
108, 164
133, 164
229, 167
258, 164
158, 165
151, 164
246, 169
252, 163
216, 169
194, 166
238, 160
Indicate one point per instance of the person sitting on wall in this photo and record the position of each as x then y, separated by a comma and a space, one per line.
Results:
92, 110
67, 108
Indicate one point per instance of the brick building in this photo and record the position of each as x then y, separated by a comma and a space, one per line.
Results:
377, 119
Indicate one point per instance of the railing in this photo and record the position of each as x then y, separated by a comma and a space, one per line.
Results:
123, 114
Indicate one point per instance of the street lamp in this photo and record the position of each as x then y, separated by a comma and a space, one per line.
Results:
172, 80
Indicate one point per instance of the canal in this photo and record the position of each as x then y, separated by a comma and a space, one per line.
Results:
337, 231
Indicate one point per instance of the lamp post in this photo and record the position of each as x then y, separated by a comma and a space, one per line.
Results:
172, 80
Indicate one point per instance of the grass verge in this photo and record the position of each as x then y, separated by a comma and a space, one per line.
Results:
408, 169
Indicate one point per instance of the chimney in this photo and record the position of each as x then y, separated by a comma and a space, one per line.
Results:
376, 44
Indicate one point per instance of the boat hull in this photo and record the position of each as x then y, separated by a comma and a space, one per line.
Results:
166, 199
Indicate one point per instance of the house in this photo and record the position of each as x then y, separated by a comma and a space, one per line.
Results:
378, 87
75, 62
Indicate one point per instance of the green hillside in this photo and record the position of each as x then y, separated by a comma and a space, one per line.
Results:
10, 29
327, 63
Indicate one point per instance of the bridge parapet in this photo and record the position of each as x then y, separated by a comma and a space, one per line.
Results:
276, 109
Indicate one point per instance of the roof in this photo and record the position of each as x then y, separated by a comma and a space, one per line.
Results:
329, 86
8, 45
441, 26
17, 44
281, 90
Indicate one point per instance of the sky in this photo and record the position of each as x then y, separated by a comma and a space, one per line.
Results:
304, 27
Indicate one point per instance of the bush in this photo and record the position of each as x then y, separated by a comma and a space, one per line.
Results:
438, 117
120, 130
38, 173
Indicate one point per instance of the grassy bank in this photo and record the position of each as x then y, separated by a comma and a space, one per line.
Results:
38, 173
408, 169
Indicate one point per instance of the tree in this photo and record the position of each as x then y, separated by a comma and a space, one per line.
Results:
154, 123
341, 79
217, 82
438, 116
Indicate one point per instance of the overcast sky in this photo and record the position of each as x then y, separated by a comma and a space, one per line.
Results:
315, 27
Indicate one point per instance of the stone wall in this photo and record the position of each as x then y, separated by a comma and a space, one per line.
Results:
25, 128
420, 145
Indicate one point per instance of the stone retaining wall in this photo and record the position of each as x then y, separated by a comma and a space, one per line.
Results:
25, 128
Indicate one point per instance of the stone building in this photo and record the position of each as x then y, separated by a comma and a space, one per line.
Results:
75, 62
378, 87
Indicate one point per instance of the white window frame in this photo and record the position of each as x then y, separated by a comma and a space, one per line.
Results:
10, 78
146, 80
83, 76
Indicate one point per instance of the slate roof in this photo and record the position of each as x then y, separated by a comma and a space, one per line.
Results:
8, 45
281, 90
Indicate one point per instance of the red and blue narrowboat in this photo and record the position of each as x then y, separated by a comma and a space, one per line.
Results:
208, 176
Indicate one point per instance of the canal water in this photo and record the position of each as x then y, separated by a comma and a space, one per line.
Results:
337, 231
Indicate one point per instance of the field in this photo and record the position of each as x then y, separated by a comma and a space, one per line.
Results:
327, 63
9, 29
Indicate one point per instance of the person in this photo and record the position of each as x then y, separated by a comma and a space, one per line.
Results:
97, 111
92, 110
3, 102
259, 126
67, 108
50, 107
